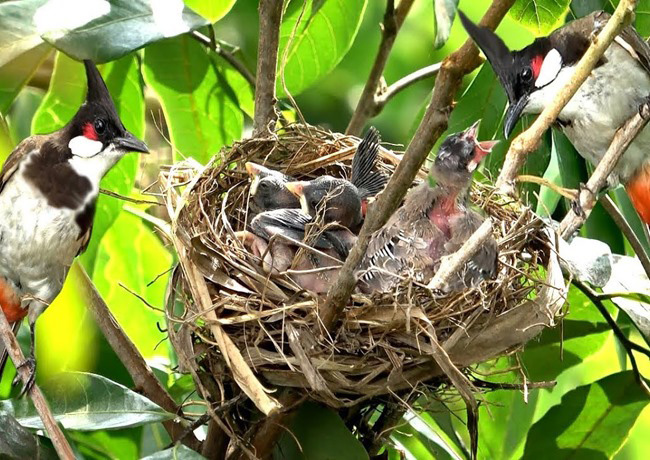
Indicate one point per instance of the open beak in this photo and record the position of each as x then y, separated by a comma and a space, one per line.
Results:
252, 169
471, 132
130, 143
481, 150
297, 188
513, 114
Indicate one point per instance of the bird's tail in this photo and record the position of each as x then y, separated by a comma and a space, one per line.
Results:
368, 181
4, 355
638, 189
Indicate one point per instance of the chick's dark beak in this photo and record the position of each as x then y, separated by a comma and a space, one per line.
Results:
130, 143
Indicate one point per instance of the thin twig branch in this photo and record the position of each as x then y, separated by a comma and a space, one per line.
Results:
622, 139
367, 105
387, 94
454, 67
59, 441
529, 140
270, 13
225, 54
455, 262
142, 375
627, 344
625, 228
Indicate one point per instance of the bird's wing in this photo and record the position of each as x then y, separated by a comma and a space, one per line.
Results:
368, 182
634, 44
290, 223
13, 161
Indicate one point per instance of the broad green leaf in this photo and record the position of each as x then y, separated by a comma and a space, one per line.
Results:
622, 200
417, 445
582, 333
178, 452
65, 95
320, 434
444, 14
22, 112
130, 257
111, 444
17, 443
323, 36
88, 402
18, 33
548, 199
592, 421
195, 97
212, 10
580, 8
6, 142
426, 434
16, 73
103, 31
540, 16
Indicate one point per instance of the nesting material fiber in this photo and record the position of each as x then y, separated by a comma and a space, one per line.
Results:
387, 340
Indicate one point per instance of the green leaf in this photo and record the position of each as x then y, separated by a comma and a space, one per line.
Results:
104, 31
195, 96
17, 443
18, 33
592, 421
540, 16
444, 14
132, 263
423, 432
548, 199
321, 435
88, 402
324, 35
113, 444
178, 452
212, 10
16, 73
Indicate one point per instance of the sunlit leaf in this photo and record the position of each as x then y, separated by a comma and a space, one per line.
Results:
17, 443
540, 16
178, 452
197, 103
115, 444
321, 39
88, 402
16, 73
320, 434
130, 263
444, 13
592, 421
18, 33
212, 10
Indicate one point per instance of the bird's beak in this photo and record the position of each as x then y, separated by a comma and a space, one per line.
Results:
297, 188
252, 169
513, 114
471, 132
130, 143
481, 149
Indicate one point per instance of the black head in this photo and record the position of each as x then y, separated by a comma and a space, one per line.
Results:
521, 73
96, 125
337, 199
459, 156
268, 189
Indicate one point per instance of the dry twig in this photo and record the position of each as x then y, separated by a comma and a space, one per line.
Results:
13, 348
270, 14
367, 105
528, 140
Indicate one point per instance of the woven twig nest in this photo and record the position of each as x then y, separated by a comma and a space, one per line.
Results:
387, 341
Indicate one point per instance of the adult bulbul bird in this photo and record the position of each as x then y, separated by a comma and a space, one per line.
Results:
340, 200
268, 189
613, 92
48, 191
287, 226
434, 221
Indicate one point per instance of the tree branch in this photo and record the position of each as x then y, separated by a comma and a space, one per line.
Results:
529, 140
587, 199
454, 67
386, 95
452, 264
270, 13
367, 106
59, 441
142, 375
225, 54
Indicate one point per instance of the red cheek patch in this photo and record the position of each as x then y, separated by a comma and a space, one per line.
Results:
536, 65
89, 131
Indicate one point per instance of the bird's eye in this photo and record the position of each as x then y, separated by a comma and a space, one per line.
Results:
263, 185
527, 74
100, 126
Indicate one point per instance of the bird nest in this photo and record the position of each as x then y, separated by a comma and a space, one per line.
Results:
254, 332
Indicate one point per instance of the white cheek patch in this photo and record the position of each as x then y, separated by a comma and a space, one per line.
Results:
83, 147
550, 68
